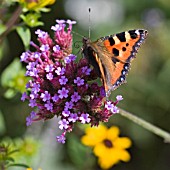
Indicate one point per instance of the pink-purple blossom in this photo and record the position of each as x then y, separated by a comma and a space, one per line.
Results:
63, 80
55, 98
33, 95
44, 47
86, 70
45, 96
61, 138
62, 85
84, 118
65, 113
32, 103
63, 93
49, 106
49, 68
56, 48
35, 88
60, 71
30, 118
24, 57
69, 58
75, 97
24, 96
68, 105
119, 97
73, 117
63, 124
40, 33
49, 76
79, 81
56, 27
70, 22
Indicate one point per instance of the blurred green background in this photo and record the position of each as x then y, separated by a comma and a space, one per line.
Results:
147, 93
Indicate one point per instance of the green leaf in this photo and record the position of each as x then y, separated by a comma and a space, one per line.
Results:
13, 151
20, 165
78, 153
25, 35
2, 28
45, 9
13, 79
10, 72
32, 19
2, 124
10, 93
10, 159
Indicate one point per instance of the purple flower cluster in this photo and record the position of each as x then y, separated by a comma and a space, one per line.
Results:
62, 87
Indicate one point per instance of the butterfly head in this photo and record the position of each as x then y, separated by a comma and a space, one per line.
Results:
86, 46
86, 41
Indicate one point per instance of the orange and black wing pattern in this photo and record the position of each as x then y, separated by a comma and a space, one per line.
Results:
122, 49
111, 56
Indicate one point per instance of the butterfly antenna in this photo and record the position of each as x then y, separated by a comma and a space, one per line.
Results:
89, 22
76, 33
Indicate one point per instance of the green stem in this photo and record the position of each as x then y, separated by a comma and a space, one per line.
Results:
11, 22
156, 130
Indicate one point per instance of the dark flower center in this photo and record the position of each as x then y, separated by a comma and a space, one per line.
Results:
108, 143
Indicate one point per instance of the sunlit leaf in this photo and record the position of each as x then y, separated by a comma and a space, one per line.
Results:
13, 78
10, 93
32, 19
25, 35
10, 72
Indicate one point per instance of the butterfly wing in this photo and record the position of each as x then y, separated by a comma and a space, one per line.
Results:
111, 56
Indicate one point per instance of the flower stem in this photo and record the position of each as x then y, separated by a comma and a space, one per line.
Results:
11, 22
152, 128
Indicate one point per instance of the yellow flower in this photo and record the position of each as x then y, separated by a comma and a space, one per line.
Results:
108, 146
35, 4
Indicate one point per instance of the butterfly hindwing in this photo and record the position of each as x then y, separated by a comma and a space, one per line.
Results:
111, 56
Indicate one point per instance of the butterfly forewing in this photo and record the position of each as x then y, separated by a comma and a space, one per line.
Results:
124, 45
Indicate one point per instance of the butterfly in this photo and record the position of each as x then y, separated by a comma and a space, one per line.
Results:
111, 56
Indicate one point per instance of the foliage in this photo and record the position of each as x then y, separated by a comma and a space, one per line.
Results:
146, 94
6, 157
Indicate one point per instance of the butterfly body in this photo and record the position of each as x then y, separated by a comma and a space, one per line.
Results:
111, 56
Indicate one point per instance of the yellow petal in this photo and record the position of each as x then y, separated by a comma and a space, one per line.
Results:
94, 135
113, 133
51, 2
108, 159
100, 149
34, 5
106, 163
124, 155
122, 142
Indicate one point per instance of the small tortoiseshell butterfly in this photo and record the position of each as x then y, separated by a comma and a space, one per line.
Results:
111, 56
